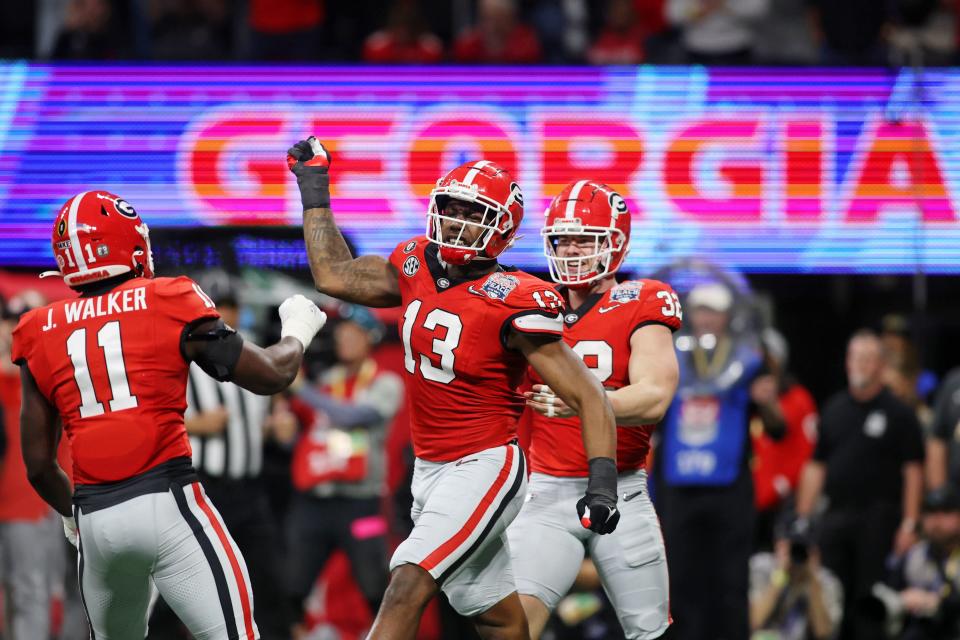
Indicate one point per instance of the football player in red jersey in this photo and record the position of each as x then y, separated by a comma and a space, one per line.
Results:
111, 367
469, 328
623, 332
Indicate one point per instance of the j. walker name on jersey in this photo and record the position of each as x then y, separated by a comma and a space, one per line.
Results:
106, 305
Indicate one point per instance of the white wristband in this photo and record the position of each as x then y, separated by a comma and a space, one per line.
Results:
300, 318
299, 330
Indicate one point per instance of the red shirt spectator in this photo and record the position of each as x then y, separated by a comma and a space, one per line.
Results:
404, 40
614, 47
628, 24
18, 501
285, 16
498, 37
777, 463
650, 15
521, 47
381, 47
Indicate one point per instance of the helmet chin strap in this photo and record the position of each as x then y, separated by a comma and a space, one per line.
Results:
587, 283
481, 253
482, 258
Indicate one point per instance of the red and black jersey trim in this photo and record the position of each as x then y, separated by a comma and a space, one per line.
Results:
100, 287
157, 479
573, 316
431, 255
646, 323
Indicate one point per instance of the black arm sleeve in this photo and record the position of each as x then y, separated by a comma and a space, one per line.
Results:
220, 348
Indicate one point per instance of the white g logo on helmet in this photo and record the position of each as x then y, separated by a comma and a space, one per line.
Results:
618, 206
515, 195
124, 208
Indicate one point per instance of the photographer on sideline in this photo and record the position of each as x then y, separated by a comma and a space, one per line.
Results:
792, 597
928, 581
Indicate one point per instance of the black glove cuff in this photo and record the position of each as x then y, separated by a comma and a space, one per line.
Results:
314, 189
603, 477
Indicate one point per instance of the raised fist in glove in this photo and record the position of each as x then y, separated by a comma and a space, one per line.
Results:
310, 162
300, 318
597, 509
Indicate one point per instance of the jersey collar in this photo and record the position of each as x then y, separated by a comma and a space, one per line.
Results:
104, 286
441, 279
572, 316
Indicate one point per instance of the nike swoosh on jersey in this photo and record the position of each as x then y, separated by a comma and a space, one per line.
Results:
460, 462
605, 309
627, 497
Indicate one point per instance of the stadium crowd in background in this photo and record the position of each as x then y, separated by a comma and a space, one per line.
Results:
853, 32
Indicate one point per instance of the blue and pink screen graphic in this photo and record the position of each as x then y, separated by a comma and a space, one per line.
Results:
775, 170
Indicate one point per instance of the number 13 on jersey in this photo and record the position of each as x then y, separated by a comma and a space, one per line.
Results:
446, 328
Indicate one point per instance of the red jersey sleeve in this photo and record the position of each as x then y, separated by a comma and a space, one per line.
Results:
183, 300
655, 303
24, 338
404, 250
533, 306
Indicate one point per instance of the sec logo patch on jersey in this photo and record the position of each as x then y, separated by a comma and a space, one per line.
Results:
626, 292
410, 266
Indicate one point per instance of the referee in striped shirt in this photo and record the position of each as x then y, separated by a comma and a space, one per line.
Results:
226, 425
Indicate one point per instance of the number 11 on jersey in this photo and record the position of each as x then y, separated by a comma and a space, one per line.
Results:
109, 340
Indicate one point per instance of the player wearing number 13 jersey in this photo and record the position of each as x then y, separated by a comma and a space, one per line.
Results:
111, 366
469, 328
623, 332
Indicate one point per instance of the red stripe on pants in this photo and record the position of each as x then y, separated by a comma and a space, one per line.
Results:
443, 551
234, 563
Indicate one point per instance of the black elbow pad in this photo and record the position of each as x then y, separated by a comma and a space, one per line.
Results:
220, 348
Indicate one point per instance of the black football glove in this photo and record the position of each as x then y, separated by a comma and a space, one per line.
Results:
310, 162
597, 509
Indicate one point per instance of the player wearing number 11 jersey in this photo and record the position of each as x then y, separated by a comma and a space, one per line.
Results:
111, 366
469, 328
623, 332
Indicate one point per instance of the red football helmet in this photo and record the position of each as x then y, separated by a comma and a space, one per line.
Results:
98, 235
484, 183
592, 209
